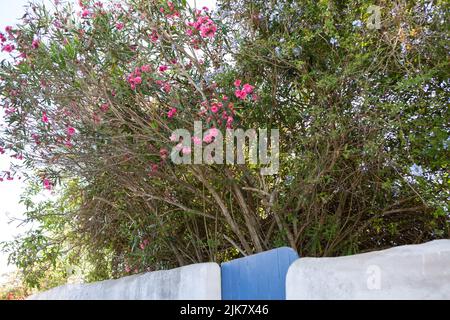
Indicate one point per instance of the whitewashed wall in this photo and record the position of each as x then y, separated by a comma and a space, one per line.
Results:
404, 272
193, 282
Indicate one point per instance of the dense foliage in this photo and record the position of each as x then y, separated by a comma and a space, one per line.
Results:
93, 92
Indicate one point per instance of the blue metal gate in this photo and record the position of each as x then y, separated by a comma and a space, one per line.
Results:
259, 276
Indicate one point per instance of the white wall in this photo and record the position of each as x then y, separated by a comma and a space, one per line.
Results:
405, 272
193, 282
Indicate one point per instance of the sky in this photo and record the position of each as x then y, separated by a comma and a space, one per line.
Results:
10, 191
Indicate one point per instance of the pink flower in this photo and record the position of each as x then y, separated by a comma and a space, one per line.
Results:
8, 29
127, 269
44, 118
35, 44
189, 32
146, 68
163, 68
208, 30
142, 246
8, 48
68, 144
120, 25
85, 13
247, 88
167, 87
2, 151
241, 94
154, 36
214, 108
163, 153
104, 107
135, 78
153, 170
70, 131
47, 184
237, 83
171, 112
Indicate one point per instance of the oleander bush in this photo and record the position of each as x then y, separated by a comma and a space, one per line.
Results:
92, 93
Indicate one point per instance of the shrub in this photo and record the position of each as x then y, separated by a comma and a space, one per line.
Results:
93, 93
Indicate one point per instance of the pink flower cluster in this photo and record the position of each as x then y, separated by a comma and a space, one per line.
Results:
104, 107
35, 44
144, 244
204, 25
172, 12
70, 131
85, 13
153, 168
163, 68
222, 112
164, 85
44, 117
135, 78
212, 133
154, 36
215, 106
171, 113
246, 90
8, 48
120, 25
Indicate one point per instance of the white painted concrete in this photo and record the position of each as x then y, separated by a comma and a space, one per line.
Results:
405, 272
193, 282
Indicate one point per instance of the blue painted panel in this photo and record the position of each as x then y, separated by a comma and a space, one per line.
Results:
260, 276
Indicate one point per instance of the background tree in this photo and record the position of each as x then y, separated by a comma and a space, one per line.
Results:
92, 94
